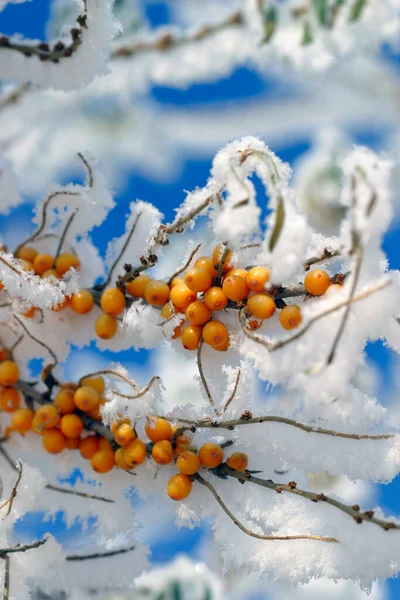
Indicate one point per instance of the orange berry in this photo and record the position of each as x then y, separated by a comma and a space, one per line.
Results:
50, 273
112, 301
31, 312
215, 333
176, 281
156, 292
82, 302
198, 280
211, 455
158, 429
215, 298
333, 289
167, 311
9, 373
86, 397
103, 461
206, 263
223, 347
42, 263
163, 452
89, 446
53, 441
238, 461
65, 262
27, 265
72, 443
97, 382
137, 286
3, 354
198, 313
217, 256
235, 288
104, 444
10, 399
106, 327
27, 253
64, 401
290, 316
119, 460
182, 442
62, 304
254, 324
257, 277
261, 306
134, 453
94, 413
191, 337
124, 434
36, 425
114, 426
48, 416
317, 282
71, 425
21, 420
238, 272
181, 296
188, 463
179, 487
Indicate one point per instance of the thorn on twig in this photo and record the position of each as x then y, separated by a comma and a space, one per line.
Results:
278, 490
369, 514
246, 415
356, 507
292, 485
358, 520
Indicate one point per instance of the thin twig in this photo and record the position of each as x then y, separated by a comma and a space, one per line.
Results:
203, 379
64, 234
110, 372
35, 339
13, 494
231, 397
221, 263
6, 588
80, 557
88, 167
22, 547
14, 95
259, 536
9, 265
185, 266
326, 255
140, 393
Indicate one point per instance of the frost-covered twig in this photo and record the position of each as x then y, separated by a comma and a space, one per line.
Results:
140, 392
80, 557
259, 536
203, 379
231, 397
22, 547
6, 587
35, 339
64, 233
121, 252
10, 501
291, 488
114, 372
185, 266
326, 255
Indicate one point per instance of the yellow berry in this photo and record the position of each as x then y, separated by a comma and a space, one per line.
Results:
188, 463
103, 461
158, 429
124, 434
206, 263
82, 302
181, 296
134, 453
215, 333
191, 337
86, 397
238, 461
198, 313
217, 257
97, 382
162, 452
137, 286
112, 302
257, 277
27, 253
89, 446
9, 373
48, 416
211, 455
64, 401
21, 420
53, 441
119, 460
71, 425
10, 399
65, 262
317, 282
198, 280
42, 263
235, 288
106, 327
157, 292
261, 306
215, 298
179, 487
290, 316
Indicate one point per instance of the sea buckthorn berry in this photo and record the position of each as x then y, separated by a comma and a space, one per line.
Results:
176, 281
82, 302
215, 298
254, 324
333, 289
42, 263
103, 461
26, 266
211, 455
86, 397
97, 382
21, 420
53, 441
64, 401
179, 487
317, 282
71, 425
95, 413
124, 434
290, 316
157, 292
215, 333
198, 280
206, 263
112, 301
198, 313
238, 272
158, 429
36, 425
106, 327
48, 415
9, 373
114, 426
191, 337
235, 288
166, 312
3, 354
223, 347
188, 463
89, 446
104, 444
181, 296
238, 461
72, 443
137, 286
119, 460
162, 452
257, 277
217, 256
50, 273
261, 306
10, 399
65, 262
62, 304
134, 453
27, 253
31, 312
181, 444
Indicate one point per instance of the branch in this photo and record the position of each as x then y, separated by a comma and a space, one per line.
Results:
13, 494
22, 548
291, 488
88, 168
110, 372
140, 393
259, 536
203, 379
64, 233
6, 588
35, 339
185, 266
80, 557
14, 95
231, 397
313, 260
10, 266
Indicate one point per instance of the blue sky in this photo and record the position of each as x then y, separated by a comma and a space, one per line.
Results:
30, 20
